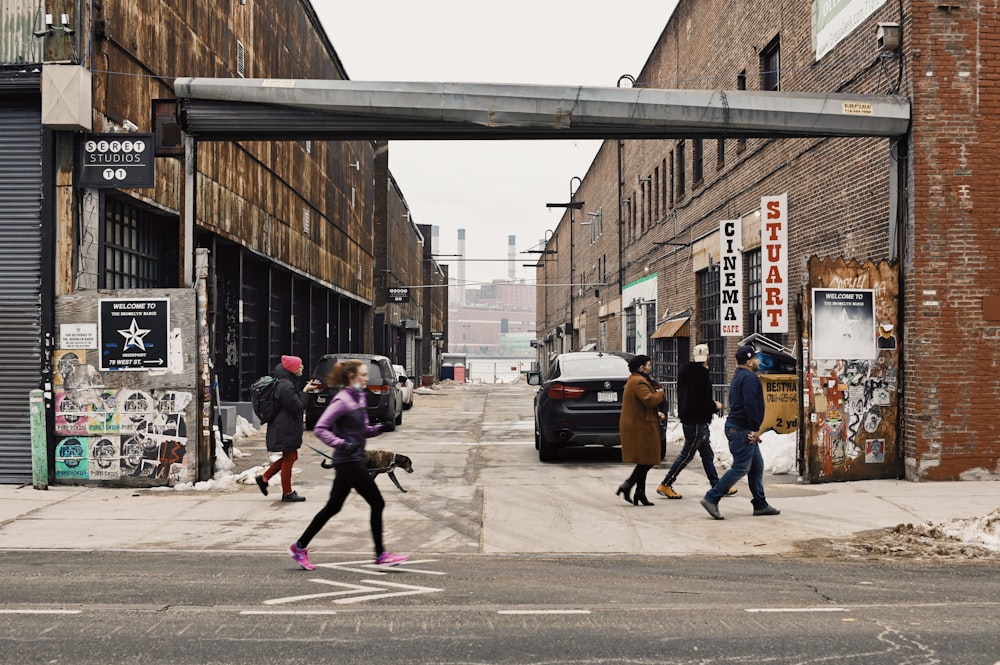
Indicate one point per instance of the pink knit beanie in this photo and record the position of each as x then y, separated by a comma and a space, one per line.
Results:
291, 363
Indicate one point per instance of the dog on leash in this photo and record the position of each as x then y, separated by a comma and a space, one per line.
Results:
384, 461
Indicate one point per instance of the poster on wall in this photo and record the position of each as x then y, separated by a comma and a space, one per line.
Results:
843, 324
133, 333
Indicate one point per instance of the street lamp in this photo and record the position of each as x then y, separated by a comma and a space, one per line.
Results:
629, 81
572, 206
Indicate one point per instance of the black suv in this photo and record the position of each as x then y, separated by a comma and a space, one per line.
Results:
385, 404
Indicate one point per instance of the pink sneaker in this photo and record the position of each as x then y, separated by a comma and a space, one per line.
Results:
301, 556
390, 559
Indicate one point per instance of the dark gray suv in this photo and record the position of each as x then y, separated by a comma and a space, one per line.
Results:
384, 402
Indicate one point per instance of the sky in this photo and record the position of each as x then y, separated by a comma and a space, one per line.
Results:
492, 189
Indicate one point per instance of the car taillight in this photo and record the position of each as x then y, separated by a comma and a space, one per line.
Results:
560, 391
378, 389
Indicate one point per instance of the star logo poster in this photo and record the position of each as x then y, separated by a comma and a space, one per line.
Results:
133, 333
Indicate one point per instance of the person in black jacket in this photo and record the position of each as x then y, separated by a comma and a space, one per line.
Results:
284, 433
695, 408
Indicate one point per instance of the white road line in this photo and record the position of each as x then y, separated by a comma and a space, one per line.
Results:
40, 611
543, 611
413, 590
269, 612
764, 610
366, 567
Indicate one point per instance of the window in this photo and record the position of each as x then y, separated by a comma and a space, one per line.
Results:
656, 195
697, 161
671, 157
241, 59
681, 176
741, 84
770, 65
140, 247
630, 329
753, 260
710, 327
665, 186
669, 354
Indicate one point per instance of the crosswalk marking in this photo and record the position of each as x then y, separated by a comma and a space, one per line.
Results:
371, 589
366, 567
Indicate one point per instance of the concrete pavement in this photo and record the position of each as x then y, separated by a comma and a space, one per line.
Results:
478, 487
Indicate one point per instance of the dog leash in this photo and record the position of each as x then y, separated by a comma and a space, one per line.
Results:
329, 458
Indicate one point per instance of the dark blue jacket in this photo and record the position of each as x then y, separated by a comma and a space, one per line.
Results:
746, 400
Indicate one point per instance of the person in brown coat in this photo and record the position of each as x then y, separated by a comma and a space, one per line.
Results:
639, 427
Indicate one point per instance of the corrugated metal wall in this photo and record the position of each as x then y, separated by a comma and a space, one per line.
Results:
20, 279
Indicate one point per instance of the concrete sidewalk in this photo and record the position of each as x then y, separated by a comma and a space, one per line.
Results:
508, 511
489, 495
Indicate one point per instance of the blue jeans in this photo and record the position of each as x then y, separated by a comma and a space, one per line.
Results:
697, 439
747, 461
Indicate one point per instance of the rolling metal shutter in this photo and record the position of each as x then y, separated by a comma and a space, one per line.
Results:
20, 279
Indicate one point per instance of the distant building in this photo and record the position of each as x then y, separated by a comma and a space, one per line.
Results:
497, 320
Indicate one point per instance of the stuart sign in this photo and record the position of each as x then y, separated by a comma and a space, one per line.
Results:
731, 253
774, 263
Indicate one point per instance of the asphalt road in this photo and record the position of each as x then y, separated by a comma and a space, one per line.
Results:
119, 607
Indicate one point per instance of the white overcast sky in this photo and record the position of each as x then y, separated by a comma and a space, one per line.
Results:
492, 189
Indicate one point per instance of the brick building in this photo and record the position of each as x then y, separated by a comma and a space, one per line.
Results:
259, 247
904, 224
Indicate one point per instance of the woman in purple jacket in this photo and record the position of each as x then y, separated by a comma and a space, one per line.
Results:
344, 427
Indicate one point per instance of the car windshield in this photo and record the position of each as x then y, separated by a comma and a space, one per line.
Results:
593, 367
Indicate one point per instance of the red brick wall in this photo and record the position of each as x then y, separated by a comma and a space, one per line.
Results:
839, 193
952, 384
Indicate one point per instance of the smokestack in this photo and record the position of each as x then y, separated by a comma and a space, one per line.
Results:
511, 256
461, 266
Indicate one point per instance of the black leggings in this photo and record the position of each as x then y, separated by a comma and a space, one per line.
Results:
353, 475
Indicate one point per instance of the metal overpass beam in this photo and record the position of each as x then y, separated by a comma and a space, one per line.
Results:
228, 109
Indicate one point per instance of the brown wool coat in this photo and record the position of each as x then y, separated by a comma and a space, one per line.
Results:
639, 424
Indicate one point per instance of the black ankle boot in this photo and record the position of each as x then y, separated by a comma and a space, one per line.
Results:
626, 489
640, 497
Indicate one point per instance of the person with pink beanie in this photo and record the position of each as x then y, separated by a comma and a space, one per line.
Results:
284, 432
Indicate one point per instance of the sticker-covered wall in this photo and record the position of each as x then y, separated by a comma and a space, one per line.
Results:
124, 386
852, 378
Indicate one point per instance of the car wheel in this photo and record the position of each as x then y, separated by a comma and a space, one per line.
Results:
399, 418
538, 439
548, 451
388, 426
407, 406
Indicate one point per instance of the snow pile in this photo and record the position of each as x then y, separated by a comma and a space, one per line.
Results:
778, 450
983, 531
244, 428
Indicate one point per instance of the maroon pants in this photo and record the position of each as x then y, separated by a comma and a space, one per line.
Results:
284, 465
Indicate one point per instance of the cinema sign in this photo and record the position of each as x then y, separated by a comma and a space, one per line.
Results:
731, 282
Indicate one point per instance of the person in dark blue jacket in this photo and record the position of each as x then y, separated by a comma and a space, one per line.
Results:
746, 414
344, 427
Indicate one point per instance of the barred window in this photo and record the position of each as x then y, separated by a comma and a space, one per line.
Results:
710, 323
140, 247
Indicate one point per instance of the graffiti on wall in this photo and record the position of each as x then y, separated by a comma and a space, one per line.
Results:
851, 393
106, 433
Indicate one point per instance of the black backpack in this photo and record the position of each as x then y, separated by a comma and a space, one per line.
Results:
262, 397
